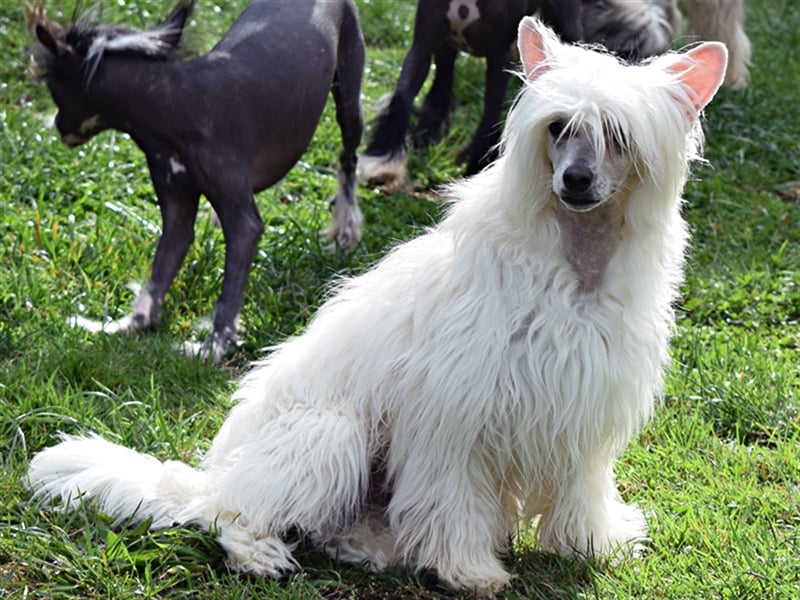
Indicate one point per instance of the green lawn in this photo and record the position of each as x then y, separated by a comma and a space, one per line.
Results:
717, 471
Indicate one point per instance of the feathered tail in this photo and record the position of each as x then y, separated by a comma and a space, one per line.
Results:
126, 484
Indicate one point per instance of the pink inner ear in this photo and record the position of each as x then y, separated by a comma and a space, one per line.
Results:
531, 49
702, 69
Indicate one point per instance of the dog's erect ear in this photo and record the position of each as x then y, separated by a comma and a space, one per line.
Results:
172, 27
533, 39
48, 40
701, 70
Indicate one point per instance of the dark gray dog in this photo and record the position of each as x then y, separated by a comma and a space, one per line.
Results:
225, 125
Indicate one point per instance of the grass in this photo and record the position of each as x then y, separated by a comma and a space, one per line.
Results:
717, 471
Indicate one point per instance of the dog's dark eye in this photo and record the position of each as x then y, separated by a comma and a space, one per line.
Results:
618, 143
615, 138
556, 128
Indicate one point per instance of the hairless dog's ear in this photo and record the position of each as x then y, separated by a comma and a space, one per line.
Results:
172, 28
46, 38
535, 42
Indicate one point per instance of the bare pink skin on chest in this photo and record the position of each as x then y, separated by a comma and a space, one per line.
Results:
589, 239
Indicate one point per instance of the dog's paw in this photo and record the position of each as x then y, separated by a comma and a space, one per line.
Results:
123, 325
345, 232
614, 531
144, 315
486, 581
371, 541
265, 556
205, 351
213, 349
388, 172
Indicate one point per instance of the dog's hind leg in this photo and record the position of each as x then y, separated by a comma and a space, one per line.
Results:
433, 114
384, 160
233, 201
346, 229
305, 469
482, 150
587, 517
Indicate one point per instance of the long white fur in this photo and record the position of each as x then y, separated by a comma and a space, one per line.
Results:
468, 364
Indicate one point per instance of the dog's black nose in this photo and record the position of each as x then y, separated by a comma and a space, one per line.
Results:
578, 179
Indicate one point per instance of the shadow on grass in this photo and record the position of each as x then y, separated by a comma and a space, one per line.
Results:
82, 552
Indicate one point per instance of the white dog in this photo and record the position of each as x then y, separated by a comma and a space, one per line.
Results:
484, 374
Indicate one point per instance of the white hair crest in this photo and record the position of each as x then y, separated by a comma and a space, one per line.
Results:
149, 43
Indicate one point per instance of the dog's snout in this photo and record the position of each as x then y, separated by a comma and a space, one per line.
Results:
578, 179
60, 125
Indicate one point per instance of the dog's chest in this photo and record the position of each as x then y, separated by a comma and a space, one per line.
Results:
589, 240
578, 374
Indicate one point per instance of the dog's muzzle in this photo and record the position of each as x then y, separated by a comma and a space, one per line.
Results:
577, 190
72, 140
579, 203
85, 131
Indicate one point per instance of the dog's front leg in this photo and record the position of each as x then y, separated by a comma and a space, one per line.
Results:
586, 516
448, 517
384, 160
177, 200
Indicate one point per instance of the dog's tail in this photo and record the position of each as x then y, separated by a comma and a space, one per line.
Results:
126, 484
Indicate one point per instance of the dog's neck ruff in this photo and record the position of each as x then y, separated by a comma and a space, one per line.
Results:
589, 239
